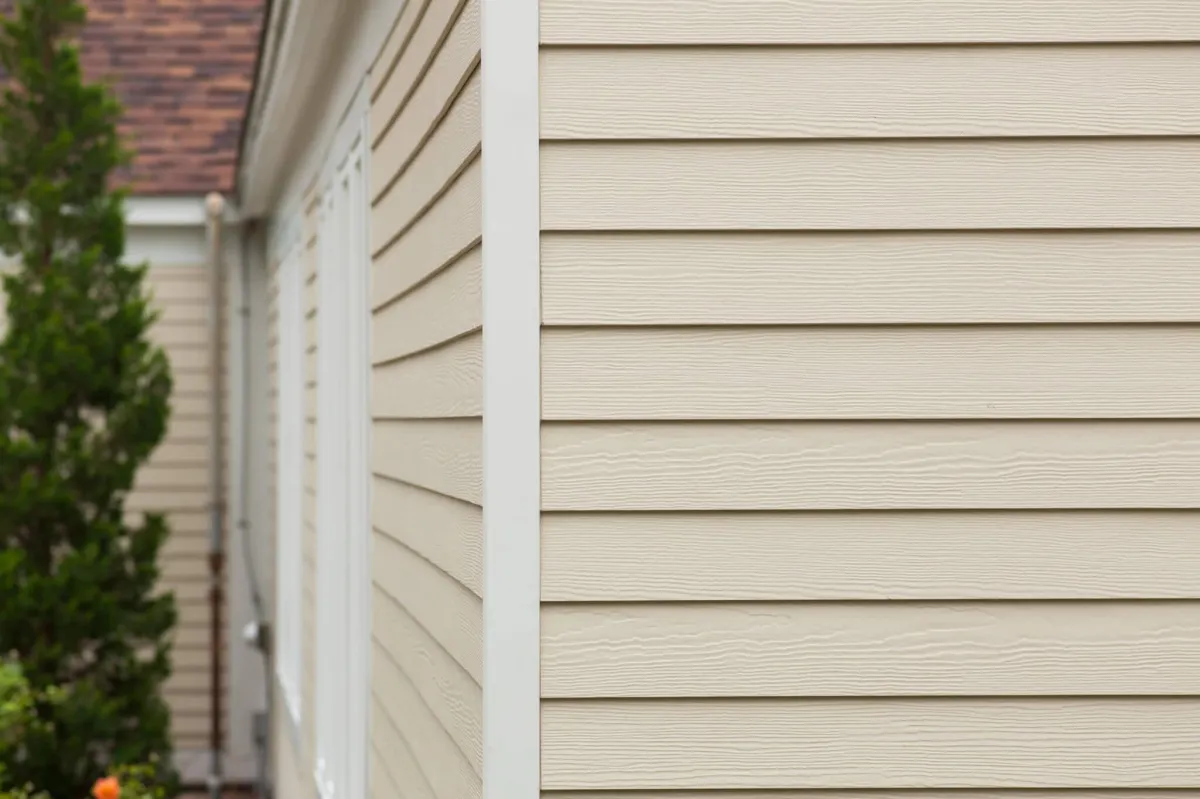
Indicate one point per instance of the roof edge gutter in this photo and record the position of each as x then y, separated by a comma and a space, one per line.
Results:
299, 31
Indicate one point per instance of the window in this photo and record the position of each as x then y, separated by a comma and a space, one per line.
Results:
343, 474
289, 475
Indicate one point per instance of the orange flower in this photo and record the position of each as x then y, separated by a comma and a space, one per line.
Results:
107, 788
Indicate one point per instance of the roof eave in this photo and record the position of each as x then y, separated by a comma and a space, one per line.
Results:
297, 32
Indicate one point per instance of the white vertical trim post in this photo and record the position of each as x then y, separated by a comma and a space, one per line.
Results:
511, 401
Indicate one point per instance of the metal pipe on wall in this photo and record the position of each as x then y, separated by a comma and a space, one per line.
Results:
215, 207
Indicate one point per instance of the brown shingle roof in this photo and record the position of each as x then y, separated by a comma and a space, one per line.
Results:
183, 69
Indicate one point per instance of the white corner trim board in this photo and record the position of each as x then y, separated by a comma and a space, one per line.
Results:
511, 408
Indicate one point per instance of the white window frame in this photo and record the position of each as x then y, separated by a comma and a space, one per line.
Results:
289, 555
344, 474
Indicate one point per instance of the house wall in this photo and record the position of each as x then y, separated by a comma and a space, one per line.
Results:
870, 458
427, 381
176, 481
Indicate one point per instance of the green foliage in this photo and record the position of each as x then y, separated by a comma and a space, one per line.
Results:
83, 403
18, 714
140, 782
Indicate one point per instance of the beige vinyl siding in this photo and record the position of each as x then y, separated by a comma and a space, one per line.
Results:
427, 406
176, 482
870, 455
834, 22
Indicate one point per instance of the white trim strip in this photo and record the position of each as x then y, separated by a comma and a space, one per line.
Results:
147, 211
511, 401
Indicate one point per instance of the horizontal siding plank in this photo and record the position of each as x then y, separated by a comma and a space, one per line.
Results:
900, 465
906, 743
448, 305
875, 21
870, 649
871, 185
431, 99
443, 607
449, 229
443, 455
1042, 793
396, 43
188, 681
937, 555
169, 481
454, 698
449, 147
387, 737
431, 30
445, 382
176, 336
871, 373
161, 493
382, 784
884, 278
446, 532
182, 313
832, 92
442, 762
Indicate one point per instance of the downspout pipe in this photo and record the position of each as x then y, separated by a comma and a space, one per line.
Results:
215, 207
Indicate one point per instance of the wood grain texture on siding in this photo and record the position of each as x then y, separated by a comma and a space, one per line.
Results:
453, 697
381, 784
869, 22
871, 185
871, 373
446, 231
866, 649
917, 555
430, 101
443, 455
441, 761
837, 92
847, 743
706, 278
446, 382
396, 43
873, 465
447, 306
446, 532
408, 70
445, 608
441, 157
397, 754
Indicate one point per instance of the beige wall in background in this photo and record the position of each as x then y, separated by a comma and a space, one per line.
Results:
176, 481
870, 391
427, 385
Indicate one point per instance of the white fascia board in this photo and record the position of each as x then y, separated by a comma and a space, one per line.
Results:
326, 50
347, 81
176, 211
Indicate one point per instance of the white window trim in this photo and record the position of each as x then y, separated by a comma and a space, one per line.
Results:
289, 555
343, 498
512, 401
